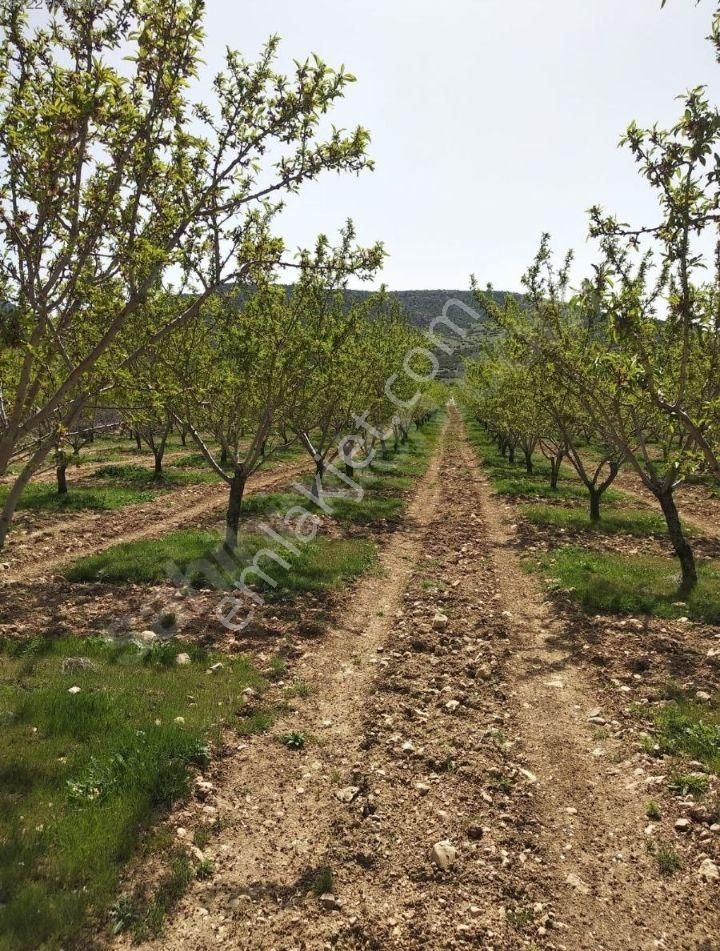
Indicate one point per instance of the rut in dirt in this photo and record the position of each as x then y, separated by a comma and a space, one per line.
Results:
447, 796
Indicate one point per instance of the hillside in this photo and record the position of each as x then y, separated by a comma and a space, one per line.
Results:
423, 306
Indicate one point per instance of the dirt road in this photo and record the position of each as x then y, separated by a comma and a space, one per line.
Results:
452, 792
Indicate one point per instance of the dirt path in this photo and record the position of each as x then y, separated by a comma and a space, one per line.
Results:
590, 798
41, 553
443, 727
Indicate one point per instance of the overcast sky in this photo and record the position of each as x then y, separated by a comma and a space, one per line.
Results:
491, 120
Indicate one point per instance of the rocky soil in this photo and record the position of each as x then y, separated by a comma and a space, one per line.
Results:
463, 766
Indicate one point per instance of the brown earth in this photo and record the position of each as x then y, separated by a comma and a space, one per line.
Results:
451, 704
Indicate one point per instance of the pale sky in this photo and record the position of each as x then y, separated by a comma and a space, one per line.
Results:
492, 120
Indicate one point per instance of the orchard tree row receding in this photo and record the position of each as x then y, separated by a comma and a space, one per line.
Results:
625, 370
138, 265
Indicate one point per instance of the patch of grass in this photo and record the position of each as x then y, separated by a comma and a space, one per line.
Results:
694, 784
368, 510
43, 497
614, 521
259, 721
685, 728
278, 669
322, 881
144, 561
607, 582
82, 774
299, 688
652, 811
294, 740
172, 476
668, 860
272, 503
199, 557
151, 919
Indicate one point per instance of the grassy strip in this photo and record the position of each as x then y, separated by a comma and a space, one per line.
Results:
324, 563
40, 497
637, 522
83, 773
131, 474
608, 582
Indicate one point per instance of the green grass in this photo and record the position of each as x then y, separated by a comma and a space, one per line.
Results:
41, 497
685, 728
81, 775
144, 562
668, 860
271, 503
367, 511
608, 582
324, 563
613, 521
131, 474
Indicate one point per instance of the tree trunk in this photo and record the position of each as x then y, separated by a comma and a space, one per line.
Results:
183, 437
223, 456
349, 470
319, 476
138, 440
511, 453
18, 487
595, 496
158, 472
528, 461
555, 472
682, 548
232, 517
61, 473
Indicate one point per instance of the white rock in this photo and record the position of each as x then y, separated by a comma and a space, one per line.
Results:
180, 720
578, 884
452, 705
682, 825
147, 638
531, 777
348, 794
440, 621
709, 872
702, 695
443, 854
74, 690
215, 668
182, 660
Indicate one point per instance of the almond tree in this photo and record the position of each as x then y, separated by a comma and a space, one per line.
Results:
682, 166
112, 179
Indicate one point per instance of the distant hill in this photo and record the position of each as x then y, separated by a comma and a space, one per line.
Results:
423, 306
